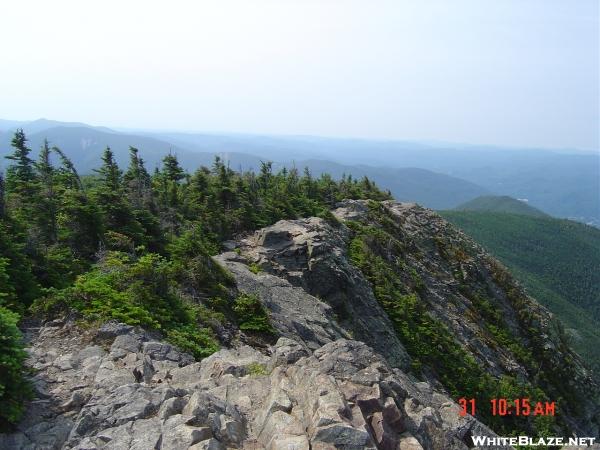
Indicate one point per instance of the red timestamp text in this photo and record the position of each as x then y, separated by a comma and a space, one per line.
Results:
509, 407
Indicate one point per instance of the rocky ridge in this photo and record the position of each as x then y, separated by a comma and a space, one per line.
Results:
119, 388
452, 272
310, 288
338, 377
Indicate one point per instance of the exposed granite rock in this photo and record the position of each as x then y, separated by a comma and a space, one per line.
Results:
342, 395
310, 255
293, 312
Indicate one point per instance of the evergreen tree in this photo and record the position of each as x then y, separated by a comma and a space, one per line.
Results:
309, 187
68, 175
137, 180
171, 175
266, 173
197, 190
223, 186
8, 294
21, 180
110, 173
47, 211
17, 283
122, 230
171, 169
138, 186
168, 185
80, 223
2, 193
21, 177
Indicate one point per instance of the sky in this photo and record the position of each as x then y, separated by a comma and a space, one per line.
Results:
503, 72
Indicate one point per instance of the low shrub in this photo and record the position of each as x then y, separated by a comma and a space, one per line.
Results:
251, 314
137, 292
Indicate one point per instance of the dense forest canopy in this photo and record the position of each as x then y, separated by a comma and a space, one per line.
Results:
135, 246
501, 204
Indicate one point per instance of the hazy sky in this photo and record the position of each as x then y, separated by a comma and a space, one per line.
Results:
510, 72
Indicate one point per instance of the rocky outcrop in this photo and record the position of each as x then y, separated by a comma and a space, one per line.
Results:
119, 388
305, 277
294, 313
301, 271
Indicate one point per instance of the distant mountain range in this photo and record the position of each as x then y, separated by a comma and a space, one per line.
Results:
557, 260
84, 145
437, 175
560, 183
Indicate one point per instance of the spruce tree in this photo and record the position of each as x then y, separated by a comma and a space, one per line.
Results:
138, 187
171, 168
2, 201
46, 213
21, 180
22, 174
171, 176
69, 178
124, 231
79, 222
137, 181
265, 176
109, 172
17, 268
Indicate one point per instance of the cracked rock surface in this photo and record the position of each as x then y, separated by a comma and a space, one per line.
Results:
311, 289
118, 388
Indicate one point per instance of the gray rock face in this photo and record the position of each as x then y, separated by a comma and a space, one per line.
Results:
343, 395
307, 278
293, 312
90, 397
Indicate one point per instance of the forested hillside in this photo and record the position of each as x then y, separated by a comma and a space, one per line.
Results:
557, 260
134, 246
500, 204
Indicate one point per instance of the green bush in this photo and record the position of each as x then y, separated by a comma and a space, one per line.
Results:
254, 268
328, 216
257, 369
193, 267
251, 314
7, 291
137, 292
14, 387
199, 342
